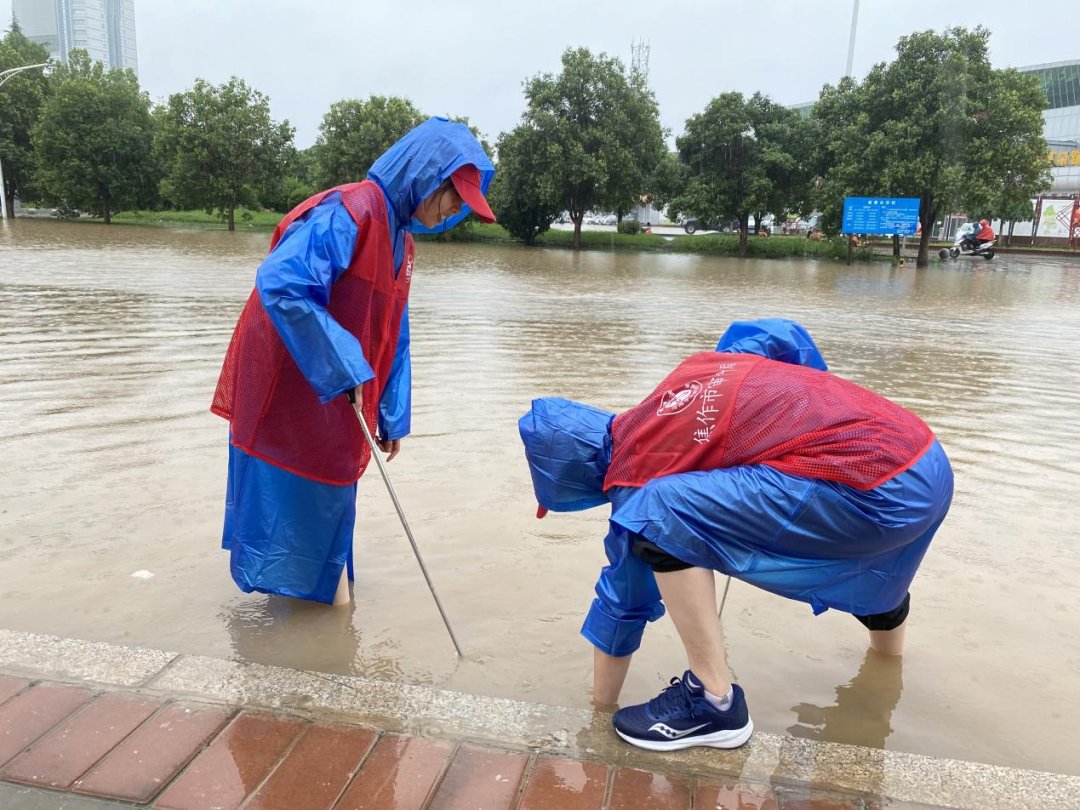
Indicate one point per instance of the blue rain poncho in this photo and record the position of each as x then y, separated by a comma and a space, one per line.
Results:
820, 542
287, 534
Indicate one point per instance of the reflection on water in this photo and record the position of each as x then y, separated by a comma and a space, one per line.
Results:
862, 712
320, 639
111, 340
860, 715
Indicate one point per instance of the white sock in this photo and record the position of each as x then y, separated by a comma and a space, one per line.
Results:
721, 703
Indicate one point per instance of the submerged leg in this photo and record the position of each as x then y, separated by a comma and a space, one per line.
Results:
888, 642
887, 630
341, 596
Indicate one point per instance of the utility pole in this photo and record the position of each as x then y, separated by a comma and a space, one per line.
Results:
4, 76
851, 40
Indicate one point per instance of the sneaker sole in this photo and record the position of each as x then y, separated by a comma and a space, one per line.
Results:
719, 739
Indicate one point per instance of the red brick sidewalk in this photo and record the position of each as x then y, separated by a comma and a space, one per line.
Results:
184, 755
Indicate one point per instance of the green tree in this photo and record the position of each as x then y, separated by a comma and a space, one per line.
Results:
522, 195
297, 183
837, 133
21, 100
937, 123
220, 147
287, 189
602, 129
743, 156
94, 138
1015, 124
354, 133
668, 180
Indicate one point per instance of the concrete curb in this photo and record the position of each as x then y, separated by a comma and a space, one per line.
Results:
427, 711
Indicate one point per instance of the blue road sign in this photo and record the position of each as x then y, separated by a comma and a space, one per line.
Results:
881, 215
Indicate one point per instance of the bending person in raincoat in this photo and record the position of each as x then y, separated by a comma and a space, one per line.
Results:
756, 462
328, 321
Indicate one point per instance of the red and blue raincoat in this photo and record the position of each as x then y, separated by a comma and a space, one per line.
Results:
753, 461
329, 312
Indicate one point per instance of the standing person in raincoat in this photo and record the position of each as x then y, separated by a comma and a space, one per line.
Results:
756, 462
328, 321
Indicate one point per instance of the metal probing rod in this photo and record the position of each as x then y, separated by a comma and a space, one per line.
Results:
408, 531
723, 598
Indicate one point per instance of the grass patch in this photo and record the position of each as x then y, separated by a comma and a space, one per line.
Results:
472, 231
245, 219
774, 247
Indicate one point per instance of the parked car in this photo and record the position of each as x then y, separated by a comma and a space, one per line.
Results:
692, 225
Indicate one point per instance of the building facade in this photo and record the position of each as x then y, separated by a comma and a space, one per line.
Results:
1061, 128
1057, 209
105, 29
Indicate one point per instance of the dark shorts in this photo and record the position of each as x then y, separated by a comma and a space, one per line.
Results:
661, 562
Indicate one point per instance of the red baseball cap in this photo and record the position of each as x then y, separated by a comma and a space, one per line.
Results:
467, 182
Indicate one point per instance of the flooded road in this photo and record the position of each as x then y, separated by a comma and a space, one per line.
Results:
111, 340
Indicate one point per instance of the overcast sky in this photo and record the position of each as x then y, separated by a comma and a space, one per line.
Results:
470, 59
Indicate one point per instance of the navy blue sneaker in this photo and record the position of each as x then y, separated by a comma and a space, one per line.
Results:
681, 717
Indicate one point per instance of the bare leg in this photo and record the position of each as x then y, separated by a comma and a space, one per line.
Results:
609, 674
690, 597
887, 642
341, 596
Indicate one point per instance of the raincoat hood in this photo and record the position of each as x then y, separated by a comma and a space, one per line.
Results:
568, 447
778, 339
411, 169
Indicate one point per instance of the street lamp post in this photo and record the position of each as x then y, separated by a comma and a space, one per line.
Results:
851, 39
4, 76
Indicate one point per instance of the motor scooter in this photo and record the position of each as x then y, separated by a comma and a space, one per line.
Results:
966, 244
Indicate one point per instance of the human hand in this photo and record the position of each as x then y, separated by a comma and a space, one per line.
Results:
391, 446
356, 397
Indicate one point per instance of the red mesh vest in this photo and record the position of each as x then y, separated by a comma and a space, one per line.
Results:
275, 413
724, 410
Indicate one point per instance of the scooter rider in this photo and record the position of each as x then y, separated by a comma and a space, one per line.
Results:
985, 233
981, 234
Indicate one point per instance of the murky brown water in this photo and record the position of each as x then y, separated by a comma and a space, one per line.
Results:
110, 463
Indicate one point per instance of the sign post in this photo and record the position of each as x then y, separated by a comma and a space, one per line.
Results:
880, 216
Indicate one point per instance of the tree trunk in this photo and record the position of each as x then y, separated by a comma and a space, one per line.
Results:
896, 246
577, 230
1012, 224
232, 218
8, 203
744, 226
923, 259
927, 217
106, 208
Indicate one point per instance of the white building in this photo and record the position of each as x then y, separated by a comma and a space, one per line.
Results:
103, 28
1061, 128
1057, 212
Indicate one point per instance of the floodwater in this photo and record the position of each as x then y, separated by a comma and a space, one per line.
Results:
111, 340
